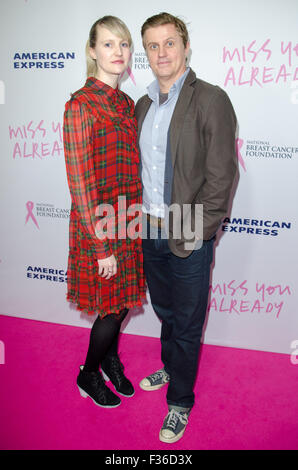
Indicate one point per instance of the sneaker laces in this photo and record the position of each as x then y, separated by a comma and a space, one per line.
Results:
160, 374
157, 375
173, 417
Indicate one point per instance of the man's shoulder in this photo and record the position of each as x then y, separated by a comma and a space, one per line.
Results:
206, 89
206, 94
143, 100
142, 103
201, 85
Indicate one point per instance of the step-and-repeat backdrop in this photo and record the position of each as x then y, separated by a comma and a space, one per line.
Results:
249, 49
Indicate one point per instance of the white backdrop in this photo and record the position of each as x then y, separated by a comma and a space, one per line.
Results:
249, 49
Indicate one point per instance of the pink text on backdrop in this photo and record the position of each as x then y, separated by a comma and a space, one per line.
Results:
36, 141
271, 290
234, 297
274, 72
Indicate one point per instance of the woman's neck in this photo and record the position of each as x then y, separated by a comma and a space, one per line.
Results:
111, 80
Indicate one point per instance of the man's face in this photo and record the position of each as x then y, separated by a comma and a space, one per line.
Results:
166, 52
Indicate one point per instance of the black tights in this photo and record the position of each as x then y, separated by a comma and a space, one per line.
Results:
103, 339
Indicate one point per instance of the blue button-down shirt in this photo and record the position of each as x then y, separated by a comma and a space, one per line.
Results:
153, 145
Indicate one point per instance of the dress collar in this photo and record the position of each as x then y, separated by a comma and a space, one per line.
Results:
100, 86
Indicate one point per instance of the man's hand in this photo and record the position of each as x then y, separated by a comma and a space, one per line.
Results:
107, 267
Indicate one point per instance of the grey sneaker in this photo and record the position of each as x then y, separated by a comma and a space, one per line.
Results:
173, 426
155, 381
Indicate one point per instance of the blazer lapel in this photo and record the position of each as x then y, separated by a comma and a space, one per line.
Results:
143, 111
179, 113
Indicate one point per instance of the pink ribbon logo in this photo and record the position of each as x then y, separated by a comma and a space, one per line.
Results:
129, 71
239, 144
30, 214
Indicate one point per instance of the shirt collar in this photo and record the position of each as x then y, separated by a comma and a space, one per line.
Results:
154, 90
100, 86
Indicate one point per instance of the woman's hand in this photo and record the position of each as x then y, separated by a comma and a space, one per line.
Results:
107, 267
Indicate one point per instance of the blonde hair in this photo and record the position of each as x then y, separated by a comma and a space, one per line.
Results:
166, 18
113, 24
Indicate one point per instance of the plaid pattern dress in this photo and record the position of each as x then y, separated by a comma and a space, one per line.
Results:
102, 162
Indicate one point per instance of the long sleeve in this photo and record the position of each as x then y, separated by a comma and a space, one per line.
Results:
221, 162
78, 150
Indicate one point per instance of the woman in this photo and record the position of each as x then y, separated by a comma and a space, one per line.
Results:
105, 272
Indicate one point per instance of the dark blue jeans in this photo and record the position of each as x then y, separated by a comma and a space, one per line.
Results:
179, 289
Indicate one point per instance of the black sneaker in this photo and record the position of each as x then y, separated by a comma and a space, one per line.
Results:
173, 426
112, 370
92, 384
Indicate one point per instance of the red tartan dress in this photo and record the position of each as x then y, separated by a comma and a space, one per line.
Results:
102, 164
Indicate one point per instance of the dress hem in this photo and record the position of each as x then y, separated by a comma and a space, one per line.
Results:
102, 313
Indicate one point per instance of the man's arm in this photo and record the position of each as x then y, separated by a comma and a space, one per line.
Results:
221, 162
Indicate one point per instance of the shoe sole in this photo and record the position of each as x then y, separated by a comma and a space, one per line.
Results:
151, 388
171, 440
85, 395
107, 379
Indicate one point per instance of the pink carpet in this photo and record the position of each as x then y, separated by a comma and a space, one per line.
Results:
244, 399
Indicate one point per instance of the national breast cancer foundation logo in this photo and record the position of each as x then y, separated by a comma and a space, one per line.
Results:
36, 211
140, 61
30, 215
252, 149
239, 145
265, 149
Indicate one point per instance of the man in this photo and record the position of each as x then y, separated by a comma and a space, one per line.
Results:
187, 143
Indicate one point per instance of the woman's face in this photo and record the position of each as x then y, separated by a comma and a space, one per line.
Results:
112, 55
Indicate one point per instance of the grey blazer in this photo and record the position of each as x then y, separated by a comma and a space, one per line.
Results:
203, 152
